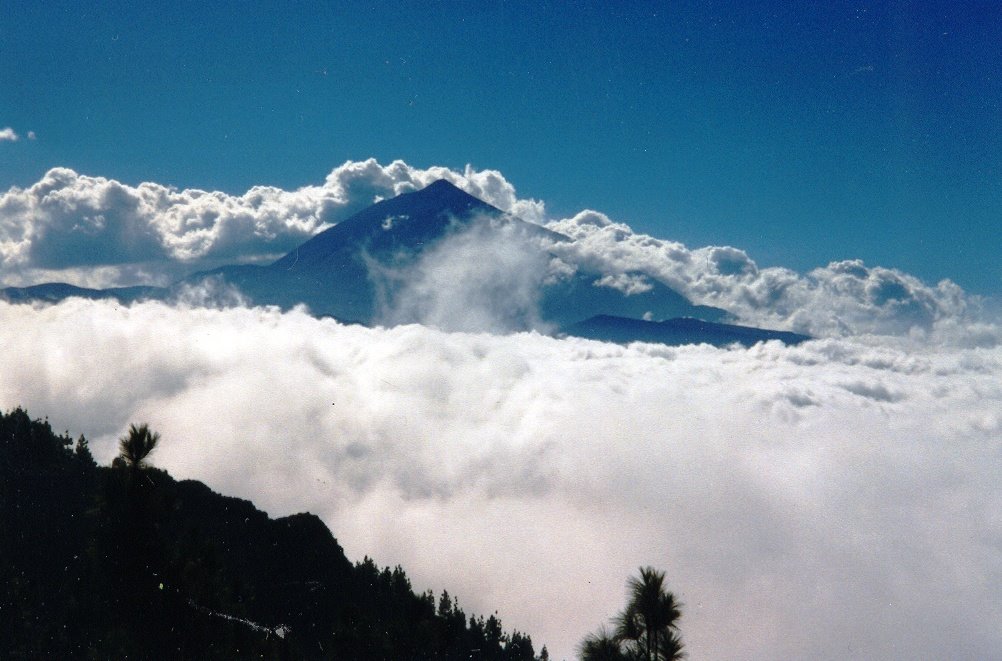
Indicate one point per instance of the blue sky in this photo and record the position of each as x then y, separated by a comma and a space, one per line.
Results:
802, 135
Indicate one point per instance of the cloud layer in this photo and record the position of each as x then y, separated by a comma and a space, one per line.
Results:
94, 231
834, 499
802, 500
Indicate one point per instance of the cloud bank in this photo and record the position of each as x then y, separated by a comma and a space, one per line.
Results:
842, 298
93, 231
802, 500
838, 498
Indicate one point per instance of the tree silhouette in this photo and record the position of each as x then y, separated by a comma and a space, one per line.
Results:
646, 630
650, 616
601, 646
126, 562
133, 548
670, 646
137, 445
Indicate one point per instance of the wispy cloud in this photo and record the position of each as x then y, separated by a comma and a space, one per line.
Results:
485, 277
802, 499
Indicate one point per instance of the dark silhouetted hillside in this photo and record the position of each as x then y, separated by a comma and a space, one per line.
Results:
126, 562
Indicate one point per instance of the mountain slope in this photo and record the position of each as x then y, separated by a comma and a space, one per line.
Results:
336, 273
340, 271
116, 563
437, 247
676, 332
406, 222
53, 292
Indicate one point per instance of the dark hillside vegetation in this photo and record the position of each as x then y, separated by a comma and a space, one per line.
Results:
127, 562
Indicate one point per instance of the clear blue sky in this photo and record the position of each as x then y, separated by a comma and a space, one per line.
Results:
800, 133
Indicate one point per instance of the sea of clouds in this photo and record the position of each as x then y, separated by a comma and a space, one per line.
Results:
837, 499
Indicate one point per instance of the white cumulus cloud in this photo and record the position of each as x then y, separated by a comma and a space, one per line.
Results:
94, 231
7, 134
835, 498
97, 232
842, 298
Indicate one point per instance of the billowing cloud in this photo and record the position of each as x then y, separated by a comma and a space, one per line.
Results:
7, 134
843, 298
99, 232
835, 498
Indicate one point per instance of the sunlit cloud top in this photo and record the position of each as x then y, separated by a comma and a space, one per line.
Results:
95, 231
801, 499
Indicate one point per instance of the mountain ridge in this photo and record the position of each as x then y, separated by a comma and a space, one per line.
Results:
341, 272
678, 331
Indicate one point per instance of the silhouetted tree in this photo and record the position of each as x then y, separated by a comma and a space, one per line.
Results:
601, 646
650, 615
647, 629
137, 445
82, 452
670, 646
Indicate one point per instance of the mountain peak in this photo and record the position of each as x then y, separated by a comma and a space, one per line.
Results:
445, 195
408, 221
441, 185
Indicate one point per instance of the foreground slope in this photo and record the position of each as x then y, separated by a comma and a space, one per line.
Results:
129, 563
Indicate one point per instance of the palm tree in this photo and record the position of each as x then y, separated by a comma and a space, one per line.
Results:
137, 445
136, 555
651, 618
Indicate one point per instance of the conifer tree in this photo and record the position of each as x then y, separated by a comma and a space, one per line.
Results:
646, 630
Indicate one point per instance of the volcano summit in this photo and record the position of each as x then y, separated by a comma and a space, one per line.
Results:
442, 257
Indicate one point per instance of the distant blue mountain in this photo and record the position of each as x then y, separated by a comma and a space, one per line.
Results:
675, 332
53, 292
333, 272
